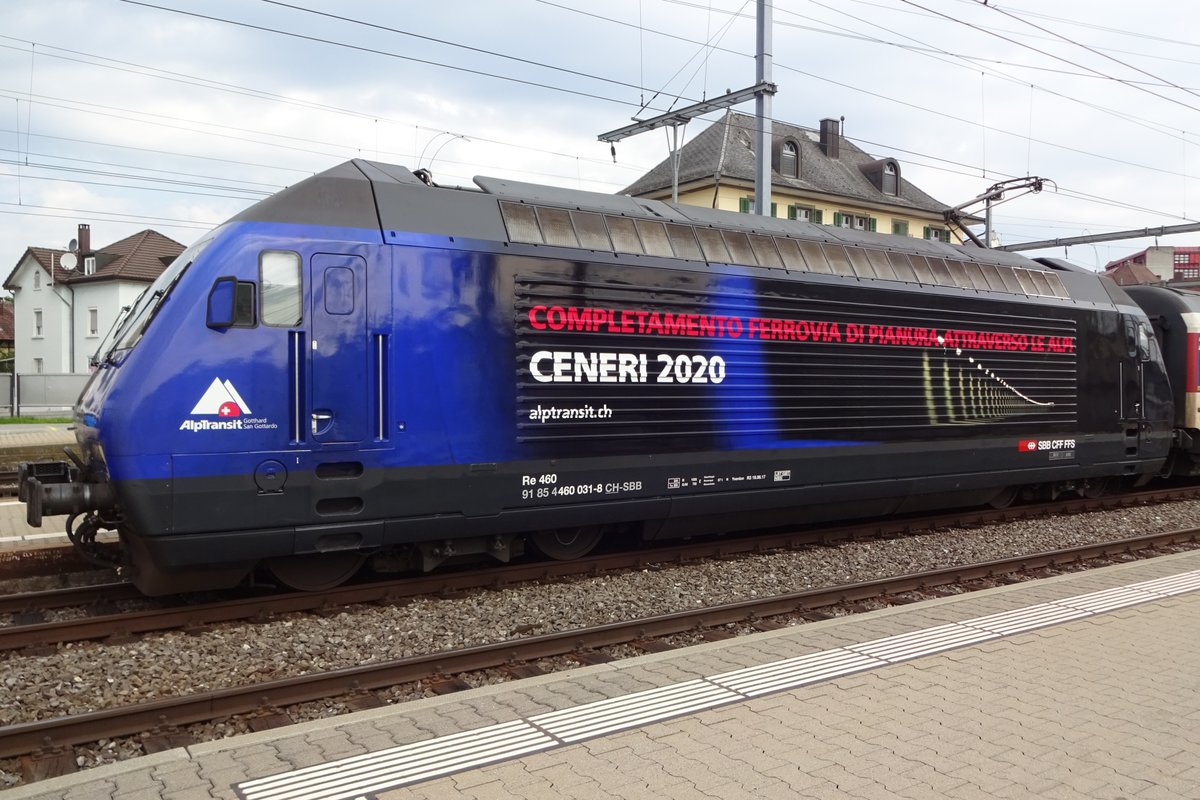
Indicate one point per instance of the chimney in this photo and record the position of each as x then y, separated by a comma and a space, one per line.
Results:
85, 240
830, 137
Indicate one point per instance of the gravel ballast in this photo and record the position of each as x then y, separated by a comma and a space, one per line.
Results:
88, 676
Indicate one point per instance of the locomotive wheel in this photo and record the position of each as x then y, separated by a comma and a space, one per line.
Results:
565, 544
1006, 497
316, 572
1094, 487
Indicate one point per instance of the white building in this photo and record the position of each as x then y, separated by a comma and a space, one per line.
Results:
65, 301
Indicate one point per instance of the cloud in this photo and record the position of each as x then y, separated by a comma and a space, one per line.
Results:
193, 117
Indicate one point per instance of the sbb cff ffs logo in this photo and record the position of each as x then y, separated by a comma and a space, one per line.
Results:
1036, 445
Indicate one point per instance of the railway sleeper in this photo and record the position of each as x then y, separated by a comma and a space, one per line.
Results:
49, 763
270, 719
160, 740
446, 684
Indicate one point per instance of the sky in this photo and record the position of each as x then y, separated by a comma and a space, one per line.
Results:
176, 114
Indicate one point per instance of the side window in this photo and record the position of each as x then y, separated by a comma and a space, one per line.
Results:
1144, 338
243, 305
282, 290
1131, 338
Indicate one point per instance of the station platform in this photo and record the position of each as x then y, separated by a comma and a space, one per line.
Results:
1078, 686
30, 442
51, 435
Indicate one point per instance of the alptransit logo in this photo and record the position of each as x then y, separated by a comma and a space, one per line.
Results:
223, 401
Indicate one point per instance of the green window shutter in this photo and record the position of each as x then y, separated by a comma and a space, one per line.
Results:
837, 219
900, 227
925, 235
773, 210
871, 222
791, 212
744, 205
816, 216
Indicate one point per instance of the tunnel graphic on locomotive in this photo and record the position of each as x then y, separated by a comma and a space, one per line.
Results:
369, 369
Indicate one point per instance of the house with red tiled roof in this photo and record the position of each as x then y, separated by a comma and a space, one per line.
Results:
1175, 266
64, 301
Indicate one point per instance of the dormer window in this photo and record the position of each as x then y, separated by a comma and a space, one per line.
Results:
891, 178
884, 174
789, 160
89, 265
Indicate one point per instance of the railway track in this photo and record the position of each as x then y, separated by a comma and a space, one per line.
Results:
45, 743
102, 618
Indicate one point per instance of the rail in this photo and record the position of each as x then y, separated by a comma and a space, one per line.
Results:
30, 737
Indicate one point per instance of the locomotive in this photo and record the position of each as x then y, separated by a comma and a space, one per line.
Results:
370, 369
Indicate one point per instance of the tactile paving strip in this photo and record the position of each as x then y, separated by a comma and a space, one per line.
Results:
358, 777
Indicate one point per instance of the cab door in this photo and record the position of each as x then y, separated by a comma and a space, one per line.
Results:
339, 354
1133, 401
1137, 418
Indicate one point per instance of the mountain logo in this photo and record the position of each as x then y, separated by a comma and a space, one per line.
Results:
221, 400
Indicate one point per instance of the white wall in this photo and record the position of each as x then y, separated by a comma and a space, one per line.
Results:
61, 342
106, 299
52, 345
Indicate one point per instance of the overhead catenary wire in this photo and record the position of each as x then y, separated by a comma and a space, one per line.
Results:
389, 54
105, 216
974, 170
105, 62
850, 34
998, 10
890, 148
1011, 40
777, 64
973, 62
948, 115
890, 7
336, 150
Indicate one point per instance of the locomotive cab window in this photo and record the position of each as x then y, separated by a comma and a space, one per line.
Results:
282, 288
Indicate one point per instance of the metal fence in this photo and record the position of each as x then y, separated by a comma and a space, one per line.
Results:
40, 395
